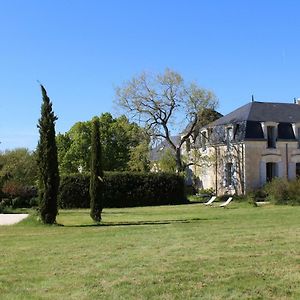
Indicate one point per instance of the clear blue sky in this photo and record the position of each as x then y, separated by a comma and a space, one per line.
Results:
81, 50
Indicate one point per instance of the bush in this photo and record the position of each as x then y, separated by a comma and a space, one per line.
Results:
14, 189
4, 204
209, 192
124, 189
74, 191
281, 191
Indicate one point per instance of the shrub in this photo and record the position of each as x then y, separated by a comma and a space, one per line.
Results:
250, 198
124, 189
74, 191
281, 191
20, 202
18, 194
4, 204
209, 192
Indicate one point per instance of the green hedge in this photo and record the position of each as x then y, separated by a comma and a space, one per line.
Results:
124, 189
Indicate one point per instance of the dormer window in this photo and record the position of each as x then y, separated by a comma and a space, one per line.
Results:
270, 130
204, 140
209, 131
271, 138
296, 129
229, 137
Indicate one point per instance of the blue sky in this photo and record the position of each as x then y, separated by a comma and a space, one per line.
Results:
81, 50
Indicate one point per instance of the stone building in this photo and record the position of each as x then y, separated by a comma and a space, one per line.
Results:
243, 150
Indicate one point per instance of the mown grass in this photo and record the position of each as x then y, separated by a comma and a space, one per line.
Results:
167, 252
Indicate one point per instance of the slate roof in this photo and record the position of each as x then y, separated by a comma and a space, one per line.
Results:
262, 112
247, 119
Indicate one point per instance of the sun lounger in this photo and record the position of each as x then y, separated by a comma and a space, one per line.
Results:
211, 200
226, 203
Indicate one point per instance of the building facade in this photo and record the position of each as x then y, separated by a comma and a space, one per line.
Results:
250, 146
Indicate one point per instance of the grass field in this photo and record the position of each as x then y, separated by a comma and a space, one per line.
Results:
167, 252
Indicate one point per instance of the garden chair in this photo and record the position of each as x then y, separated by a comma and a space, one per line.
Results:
211, 200
227, 202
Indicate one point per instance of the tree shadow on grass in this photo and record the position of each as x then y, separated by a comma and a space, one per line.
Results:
139, 223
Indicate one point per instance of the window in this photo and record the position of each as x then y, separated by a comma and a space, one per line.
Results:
298, 170
271, 171
229, 137
209, 131
204, 140
188, 145
236, 131
271, 137
228, 174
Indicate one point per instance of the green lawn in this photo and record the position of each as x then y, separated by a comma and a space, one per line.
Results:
167, 252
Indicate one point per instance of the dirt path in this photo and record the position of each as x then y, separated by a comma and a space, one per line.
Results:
9, 219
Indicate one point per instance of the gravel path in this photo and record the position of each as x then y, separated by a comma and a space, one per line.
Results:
9, 219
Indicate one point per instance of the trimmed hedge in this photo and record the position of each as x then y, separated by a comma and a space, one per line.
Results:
124, 189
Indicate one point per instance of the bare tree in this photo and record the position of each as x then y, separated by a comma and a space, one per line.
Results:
164, 103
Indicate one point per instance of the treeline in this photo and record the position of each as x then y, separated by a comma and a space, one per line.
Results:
125, 148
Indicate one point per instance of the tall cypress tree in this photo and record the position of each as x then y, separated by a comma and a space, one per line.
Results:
47, 162
96, 181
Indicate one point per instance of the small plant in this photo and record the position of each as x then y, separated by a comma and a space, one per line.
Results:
281, 191
208, 192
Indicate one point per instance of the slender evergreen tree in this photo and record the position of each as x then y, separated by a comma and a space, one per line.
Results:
96, 181
47, 162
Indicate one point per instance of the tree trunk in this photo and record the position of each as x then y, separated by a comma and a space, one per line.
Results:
178, 160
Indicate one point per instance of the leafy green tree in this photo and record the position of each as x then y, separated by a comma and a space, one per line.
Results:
139, 158
74, 148
160, 101
47, 162
96, 178
167, 162
206, 116
20, 165
119, 138
18, 168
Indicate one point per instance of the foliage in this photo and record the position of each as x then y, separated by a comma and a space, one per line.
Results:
13, 188
74, 191
281, 191
18, 173
20, 165
124, 189
167, 162
47, 162
159, 101
96, 177
208, 191
119, 140
139, 158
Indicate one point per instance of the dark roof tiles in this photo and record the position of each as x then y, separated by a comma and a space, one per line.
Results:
262, 112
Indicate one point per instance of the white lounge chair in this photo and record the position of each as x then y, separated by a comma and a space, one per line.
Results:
211, 200
227, 202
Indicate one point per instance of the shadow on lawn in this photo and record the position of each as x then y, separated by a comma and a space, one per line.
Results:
137, 223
